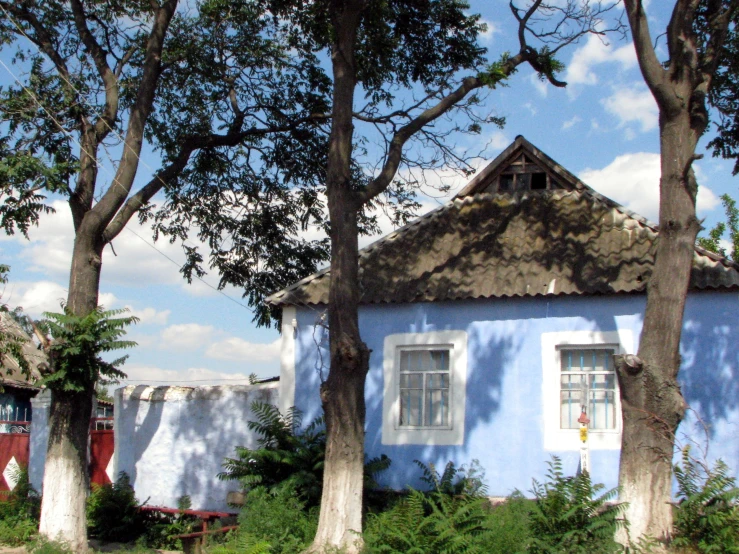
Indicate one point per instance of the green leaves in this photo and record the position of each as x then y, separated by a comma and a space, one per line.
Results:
712, 242
569, 516
76, 345
707, 516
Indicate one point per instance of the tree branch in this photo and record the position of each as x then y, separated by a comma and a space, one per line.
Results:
651, 68
116, 195
105, 122
191, 144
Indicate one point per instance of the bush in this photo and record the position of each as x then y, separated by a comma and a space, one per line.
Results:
288, 456
19, 511
161, 529
450, 517
113, 514
507, 525
274, 522
567, 516
707, 517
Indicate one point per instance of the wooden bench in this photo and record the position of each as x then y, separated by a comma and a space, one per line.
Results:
193, 542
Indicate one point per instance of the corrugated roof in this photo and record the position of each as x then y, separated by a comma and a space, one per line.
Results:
10, 372
488, 245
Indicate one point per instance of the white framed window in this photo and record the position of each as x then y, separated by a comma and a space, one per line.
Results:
425, 377
578, 374
587, 384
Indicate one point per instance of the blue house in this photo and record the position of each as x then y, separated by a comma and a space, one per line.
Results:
493, 321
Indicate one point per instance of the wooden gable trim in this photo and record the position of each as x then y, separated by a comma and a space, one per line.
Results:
503, 164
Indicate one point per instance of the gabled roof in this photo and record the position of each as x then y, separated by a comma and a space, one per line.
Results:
565, 239
11, 374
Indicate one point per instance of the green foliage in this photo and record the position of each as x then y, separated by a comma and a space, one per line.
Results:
19, 511
453, 480
707, 517
45, 546
113, 512
450, 517
713, 241
288, 455
274, 522
77, 343
162, 529
507, 525
568, 517
429, 523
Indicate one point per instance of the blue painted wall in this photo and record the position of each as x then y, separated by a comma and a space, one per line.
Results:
504, 420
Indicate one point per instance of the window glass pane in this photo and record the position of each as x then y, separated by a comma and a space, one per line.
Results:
439, 359
410, 406
602, 409
410, 380
424, 387
570, 408
587, 377
437, 407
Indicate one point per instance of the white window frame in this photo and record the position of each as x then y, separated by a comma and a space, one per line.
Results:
556, 438
453, 434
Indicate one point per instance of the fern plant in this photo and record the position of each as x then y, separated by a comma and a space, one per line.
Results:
569, 515
288, 455
454, 480
429, 523
707, 516
449, 517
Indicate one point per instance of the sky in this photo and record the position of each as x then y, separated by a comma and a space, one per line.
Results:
602, 127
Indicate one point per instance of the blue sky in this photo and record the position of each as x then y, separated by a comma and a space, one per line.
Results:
602, 127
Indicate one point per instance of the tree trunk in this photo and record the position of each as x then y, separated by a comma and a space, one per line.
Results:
651, 400
66, 479
342, 395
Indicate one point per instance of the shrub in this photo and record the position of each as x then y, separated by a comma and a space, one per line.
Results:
19, 511
274, 521
288, 456
162, 529
507, 525
113, 513
707, 517
450, 517
567, 516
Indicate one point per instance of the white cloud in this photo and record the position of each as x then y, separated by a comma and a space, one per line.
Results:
633, 181
186, 336
580, 70
150, 315
135, 262
240, 350
542, 87
492, 29
37, 297
529, 106
499, 140
571, 122
193, 376
634, 104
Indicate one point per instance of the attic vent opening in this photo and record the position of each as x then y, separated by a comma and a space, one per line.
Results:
538, 181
